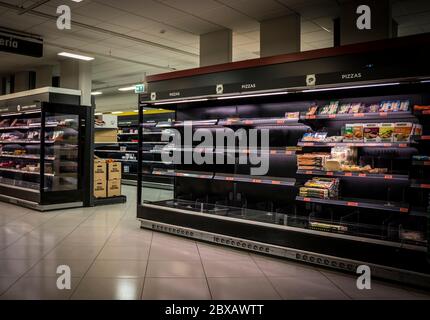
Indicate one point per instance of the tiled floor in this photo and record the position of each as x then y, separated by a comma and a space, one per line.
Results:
112, 258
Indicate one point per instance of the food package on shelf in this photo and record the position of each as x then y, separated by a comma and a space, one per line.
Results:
344, 154
312, 110
371, 132
386, 131
314, 136
416, 108
330, 108
323, 188
333, 139
292, 115
348, 135
402, 132
357, 108
344, 108
417, 130
373, 108
357, 131
311, 161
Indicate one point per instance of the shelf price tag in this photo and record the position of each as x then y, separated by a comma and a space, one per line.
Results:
358, 115
280, 121
332, 116
307, 199
256, 181
425, 137
348, 174
427, 163
308, 144
388, 177
248, 122
426, 112
403, 145
311, 117
383, 114
404, 210
275, 182
229, 178
330, 173
425, 186
362, 175
352, 204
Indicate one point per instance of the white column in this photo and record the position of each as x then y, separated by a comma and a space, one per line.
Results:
22, 81
280, 35
44, 76
77, 75
216, 47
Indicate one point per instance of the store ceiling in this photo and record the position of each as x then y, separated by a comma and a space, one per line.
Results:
132, 37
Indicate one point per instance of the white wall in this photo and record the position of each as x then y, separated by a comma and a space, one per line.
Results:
127, 101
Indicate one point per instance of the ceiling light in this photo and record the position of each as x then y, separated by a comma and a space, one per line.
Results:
354, 87
77, 0
425, 81
98, 114
75, 56
127, 88
135, 110
96, 93
117, 112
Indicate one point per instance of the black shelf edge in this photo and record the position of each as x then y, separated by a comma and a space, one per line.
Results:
183, 174
421, 162
417, 184
360, 116
116, 151
108, 201
357, 204
256, 180
355, 144
259, 121
342, 174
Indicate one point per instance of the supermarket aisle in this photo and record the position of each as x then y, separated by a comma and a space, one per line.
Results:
111, 258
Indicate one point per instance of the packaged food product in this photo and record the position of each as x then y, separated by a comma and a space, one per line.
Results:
356, 108
292, 115
402, 131
349, 133
312, 110
386, 131
373, 108
395, 106
371, 132
344, 108
404, 105
357, 131
343, 154
417, 130
385, 106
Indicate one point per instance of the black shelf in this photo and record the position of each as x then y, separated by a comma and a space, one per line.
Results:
359, 203
417, 184
275, 181
109, 201
360, 116
355, 144
361, 175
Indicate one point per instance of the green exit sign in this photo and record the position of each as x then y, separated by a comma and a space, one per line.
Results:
139, 88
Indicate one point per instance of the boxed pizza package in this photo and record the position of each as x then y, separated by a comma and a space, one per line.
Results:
349, 133
402, 131
357, 131
386, 131
371, 132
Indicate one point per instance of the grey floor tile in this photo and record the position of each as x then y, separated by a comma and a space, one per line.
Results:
292, 288
117, 269
161, 250
124, 253
185, 269
30, 252
255, 288
230, 268
72, 252
16, 267
273, 267
176, 289
378, 291
108, 289
6, 283
214, 252
49, 267
38, 288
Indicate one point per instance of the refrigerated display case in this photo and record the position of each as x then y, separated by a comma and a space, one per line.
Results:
345, 184
42, 152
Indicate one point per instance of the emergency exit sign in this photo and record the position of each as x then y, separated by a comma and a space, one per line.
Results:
140, 88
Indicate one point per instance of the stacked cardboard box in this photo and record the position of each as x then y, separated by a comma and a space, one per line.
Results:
106, 135
107, 179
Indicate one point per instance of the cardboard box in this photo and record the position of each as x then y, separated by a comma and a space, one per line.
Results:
114, 188
100, 170
114, 170
108, 135
100, 190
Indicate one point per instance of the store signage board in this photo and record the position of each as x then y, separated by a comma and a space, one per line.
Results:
18, 108
140, 88
13, 43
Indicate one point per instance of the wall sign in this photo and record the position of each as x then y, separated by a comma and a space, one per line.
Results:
13, 43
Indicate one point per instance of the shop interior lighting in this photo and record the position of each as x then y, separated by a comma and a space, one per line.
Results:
96, 93
127, 89
75, 56
117, 112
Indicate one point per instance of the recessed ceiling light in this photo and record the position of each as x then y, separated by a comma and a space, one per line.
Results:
127, 88
136, 110
96, 93
98, 114
75, 56
77, 0
117, 112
